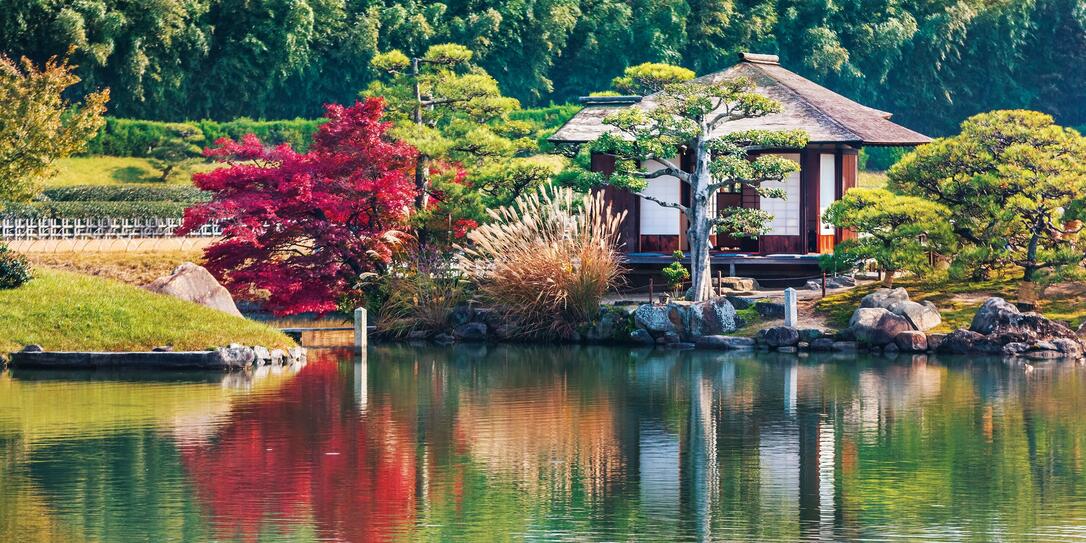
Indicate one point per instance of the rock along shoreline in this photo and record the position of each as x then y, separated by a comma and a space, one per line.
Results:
232, 358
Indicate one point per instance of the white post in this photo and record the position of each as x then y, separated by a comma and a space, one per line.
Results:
360, 340
791, 310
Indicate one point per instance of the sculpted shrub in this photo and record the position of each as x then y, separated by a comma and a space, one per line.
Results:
14, 269
300, 230
546, 261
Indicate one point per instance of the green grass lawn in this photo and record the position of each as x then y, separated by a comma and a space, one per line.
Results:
110, 170
63, 311
872, 180
958, 300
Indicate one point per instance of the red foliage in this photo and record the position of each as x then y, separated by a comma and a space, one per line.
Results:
304, 227
306, 452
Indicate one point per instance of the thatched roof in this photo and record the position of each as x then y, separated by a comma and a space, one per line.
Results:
827, 116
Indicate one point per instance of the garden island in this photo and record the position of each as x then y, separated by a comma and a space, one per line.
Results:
544, 271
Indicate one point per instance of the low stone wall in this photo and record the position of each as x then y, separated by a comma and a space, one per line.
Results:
232, 358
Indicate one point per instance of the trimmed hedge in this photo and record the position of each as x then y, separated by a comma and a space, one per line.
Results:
137, 138
125, 193
95, 210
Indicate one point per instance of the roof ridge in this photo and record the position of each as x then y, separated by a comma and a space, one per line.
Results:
795, 92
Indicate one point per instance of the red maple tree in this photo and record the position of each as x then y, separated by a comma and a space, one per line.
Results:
299, 229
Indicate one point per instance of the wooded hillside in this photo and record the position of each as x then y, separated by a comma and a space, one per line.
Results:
931, 62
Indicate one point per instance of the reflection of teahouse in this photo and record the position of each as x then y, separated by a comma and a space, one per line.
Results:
837, 128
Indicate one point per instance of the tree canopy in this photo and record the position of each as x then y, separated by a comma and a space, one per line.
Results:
1015, 183
38, 125
931, 63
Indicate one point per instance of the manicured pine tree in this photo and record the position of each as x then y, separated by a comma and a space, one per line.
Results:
688, 118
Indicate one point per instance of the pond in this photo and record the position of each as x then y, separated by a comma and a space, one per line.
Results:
477, 443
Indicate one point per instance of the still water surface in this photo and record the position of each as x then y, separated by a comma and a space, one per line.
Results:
549, 444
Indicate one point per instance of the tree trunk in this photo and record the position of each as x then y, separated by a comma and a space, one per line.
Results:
701, 224
422, 167
888, 278
422, 182
1030, 266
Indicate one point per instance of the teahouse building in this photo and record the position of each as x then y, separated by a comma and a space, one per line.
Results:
837, 128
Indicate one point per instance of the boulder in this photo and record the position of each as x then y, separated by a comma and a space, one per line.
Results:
460, 314
608, 324
642, 336
876, 326
845, 346
883, 297
710, 318
1004, 323
728, 343
822, 344
741, 284
1082, 330
32, 348
682, 345
194, 283
781, 336
1069, 347
923, 316
810, 334
813, 285
964, 341
654, 318
841, 281
891, 349
470, 331
237, 356
262, 353
788, 349
770, 310
1015, 348
935, 340
911, 342
444, 339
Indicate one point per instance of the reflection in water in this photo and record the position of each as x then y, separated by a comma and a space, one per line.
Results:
472, 442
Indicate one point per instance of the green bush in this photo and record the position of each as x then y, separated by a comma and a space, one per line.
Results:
125, 193
14, 269
138, 138
95, 210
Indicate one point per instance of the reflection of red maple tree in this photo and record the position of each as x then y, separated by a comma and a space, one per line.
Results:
307, 451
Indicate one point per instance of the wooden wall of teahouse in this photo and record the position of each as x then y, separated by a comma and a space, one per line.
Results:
620, 200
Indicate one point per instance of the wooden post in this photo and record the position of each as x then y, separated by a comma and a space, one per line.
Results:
823, 284
791, 308
719, 283
360, 332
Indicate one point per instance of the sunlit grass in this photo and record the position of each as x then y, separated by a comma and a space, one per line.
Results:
66, 311
958, 300
872, 180
133, 268
112, 170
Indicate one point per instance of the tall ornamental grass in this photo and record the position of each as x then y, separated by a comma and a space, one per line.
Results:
545, 262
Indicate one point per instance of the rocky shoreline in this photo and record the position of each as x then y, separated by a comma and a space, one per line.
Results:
887, 321
234, 357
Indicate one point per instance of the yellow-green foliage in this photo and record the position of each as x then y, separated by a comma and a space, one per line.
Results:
66, 311
650, 77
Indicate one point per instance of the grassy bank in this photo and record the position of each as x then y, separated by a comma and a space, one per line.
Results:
61, 310
958, 300
137, 268
112, 170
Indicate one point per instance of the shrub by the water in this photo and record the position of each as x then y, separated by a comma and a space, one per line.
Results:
421, 300
546, 262
14, 269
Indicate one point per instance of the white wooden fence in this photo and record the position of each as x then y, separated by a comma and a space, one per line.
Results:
35, 229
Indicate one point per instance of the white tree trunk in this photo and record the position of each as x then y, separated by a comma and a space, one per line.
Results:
701, 225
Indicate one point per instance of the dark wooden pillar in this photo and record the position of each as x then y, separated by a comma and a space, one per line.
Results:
809, 176
621, 200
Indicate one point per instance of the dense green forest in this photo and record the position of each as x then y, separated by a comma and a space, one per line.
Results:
931, 62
